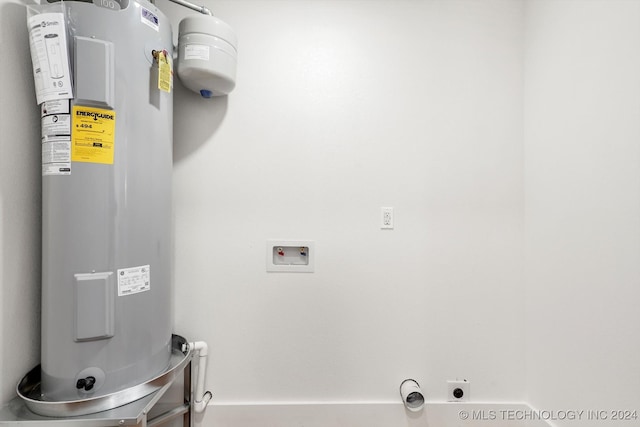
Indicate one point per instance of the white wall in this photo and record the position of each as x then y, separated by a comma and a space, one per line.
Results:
582, 109
19, 203
343, 107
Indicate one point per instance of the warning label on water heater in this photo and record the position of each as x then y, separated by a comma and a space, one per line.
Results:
134, 280
56, 137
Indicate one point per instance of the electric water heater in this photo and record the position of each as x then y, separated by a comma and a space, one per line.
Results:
106, 214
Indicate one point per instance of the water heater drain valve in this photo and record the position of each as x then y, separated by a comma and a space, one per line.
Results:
86, 383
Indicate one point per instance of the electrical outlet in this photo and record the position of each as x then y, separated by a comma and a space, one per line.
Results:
386, 221
458, 391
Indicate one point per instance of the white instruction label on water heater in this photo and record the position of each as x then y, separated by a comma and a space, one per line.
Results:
134, 280
56, 137
49, 56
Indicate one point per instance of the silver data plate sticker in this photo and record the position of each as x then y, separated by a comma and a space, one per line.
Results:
134, 280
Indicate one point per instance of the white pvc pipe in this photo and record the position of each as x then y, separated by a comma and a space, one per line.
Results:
202, 9
201, 397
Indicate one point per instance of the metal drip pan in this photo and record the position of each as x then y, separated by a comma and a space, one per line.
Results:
29, 389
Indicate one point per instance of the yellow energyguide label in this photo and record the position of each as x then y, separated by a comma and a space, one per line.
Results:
93, 135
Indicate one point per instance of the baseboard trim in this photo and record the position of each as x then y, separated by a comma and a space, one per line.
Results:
370, 414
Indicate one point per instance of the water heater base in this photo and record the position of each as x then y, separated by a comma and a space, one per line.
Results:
29, 389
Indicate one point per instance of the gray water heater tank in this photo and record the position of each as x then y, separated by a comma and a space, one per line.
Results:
107, 247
